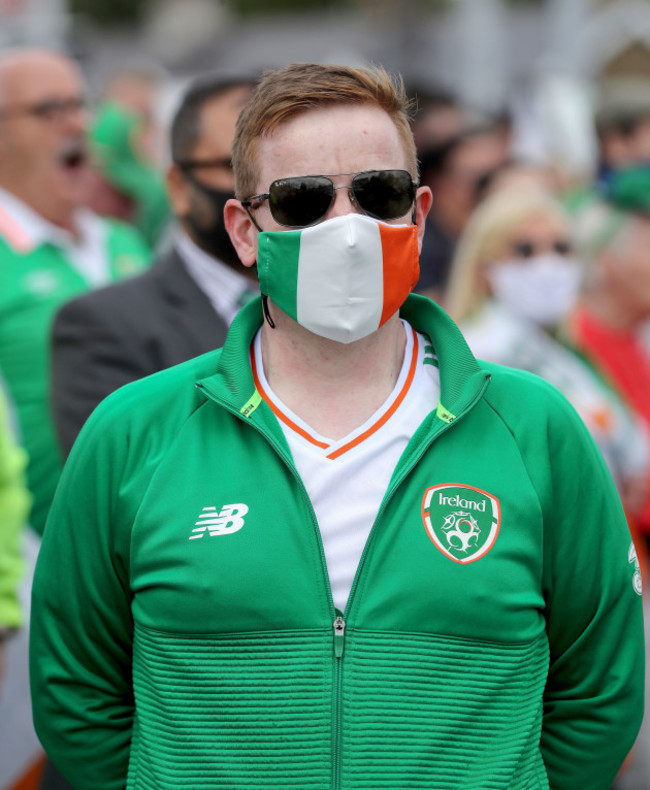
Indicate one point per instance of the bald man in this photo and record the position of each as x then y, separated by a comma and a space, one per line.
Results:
51, 247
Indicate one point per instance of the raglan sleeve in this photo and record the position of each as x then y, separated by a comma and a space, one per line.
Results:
81, 625
593, 701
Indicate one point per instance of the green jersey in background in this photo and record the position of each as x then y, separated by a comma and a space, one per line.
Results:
33, 285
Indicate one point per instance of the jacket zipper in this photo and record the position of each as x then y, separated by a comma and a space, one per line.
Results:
339, 645
339, 622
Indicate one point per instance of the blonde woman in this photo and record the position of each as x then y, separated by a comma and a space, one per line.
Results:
516, 249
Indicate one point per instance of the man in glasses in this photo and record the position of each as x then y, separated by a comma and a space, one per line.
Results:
184, 304
51, 247
338, 552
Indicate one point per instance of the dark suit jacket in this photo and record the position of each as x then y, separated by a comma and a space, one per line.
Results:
123, 332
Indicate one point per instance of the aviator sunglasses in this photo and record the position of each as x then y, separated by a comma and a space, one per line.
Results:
300, 201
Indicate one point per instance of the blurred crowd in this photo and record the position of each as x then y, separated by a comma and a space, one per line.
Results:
543, 270
549, 272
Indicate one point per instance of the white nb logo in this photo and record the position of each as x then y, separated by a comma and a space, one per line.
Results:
229, 519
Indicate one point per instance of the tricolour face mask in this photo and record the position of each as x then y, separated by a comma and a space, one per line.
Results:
343, 278
542, 289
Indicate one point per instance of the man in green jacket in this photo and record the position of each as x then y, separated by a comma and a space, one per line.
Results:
51, 247
339, 552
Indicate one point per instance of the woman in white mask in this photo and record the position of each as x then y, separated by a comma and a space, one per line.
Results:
514, 281
516, 251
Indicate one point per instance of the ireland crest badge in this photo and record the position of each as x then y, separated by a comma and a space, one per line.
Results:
461, 520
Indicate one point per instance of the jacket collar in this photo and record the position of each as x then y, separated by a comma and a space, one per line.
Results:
461, 377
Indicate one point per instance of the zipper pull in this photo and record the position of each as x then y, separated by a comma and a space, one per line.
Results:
339, 636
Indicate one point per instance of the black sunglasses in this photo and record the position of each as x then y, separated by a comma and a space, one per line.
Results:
304, 200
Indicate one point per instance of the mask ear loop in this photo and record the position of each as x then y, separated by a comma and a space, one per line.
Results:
265, 298
250, 216
265, 310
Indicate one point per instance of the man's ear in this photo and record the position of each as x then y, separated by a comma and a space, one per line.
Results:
423, 201
242, 232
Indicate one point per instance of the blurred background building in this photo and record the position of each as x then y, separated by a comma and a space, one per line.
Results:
524, 56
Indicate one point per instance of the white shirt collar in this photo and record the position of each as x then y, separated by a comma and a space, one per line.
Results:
226, 288
25, 230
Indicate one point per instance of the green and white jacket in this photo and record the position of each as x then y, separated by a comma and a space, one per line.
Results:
183, 630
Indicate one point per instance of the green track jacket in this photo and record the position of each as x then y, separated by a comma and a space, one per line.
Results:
183, 629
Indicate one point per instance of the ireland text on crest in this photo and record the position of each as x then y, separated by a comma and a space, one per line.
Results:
461, 520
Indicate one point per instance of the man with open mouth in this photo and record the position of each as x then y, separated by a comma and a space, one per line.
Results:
51, 247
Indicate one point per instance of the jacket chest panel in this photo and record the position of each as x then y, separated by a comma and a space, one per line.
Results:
227, 543
459, 550
224, 539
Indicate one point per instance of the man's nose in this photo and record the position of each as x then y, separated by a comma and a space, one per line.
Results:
76, 120
343, 203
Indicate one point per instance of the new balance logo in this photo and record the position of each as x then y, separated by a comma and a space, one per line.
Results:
229, 519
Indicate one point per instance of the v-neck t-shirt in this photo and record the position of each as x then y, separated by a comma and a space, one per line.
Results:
346, 480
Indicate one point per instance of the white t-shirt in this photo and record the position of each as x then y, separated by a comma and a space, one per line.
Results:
346, 479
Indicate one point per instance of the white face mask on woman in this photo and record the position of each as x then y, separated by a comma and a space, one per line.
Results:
542, 289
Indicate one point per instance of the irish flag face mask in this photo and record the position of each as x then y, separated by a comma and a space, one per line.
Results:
341, 279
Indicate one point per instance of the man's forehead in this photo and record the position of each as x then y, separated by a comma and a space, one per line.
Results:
229, 103
39, 75
218, 117
364, 117
332, 139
